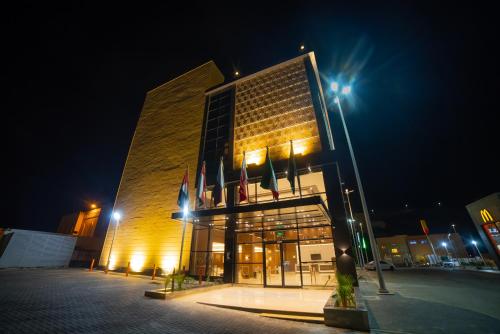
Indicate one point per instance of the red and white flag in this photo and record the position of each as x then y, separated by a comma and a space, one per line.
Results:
243, 180
202, 188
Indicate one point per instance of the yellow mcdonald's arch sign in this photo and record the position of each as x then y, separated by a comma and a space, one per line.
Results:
486, 216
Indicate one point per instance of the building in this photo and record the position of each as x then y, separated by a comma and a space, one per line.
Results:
191, 120
408, 250
485, 214
89, 227
28, 249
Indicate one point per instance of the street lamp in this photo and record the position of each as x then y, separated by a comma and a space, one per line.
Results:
373, 244
475, 245
445, 245
116, 216
453, 227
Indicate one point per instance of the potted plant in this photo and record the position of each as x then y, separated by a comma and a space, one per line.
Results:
345, 291
343, 309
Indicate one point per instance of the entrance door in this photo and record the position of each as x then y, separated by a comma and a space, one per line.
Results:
282, 265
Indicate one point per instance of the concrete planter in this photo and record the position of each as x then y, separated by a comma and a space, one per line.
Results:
352, 318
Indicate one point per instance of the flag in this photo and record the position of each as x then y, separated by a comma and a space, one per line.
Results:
202, 188
219, 185
269, 178
292, 169
243, 180
423, 223
183, 198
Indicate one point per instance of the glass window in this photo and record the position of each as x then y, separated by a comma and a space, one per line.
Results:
249, 237
279, 235
318, 262
323, 232
250, 253
249, 273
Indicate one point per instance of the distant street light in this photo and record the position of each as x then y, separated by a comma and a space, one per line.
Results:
446, 248
347, 90
352, 225
453, 226
475, 245
116, 216
451, 244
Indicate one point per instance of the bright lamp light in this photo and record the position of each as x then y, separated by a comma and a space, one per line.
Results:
443, 244
335, 86
185, 210
346, 90
117, 216
474, 242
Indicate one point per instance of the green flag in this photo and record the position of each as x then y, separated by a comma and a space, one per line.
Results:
269, 178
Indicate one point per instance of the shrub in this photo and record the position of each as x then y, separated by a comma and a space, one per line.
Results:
345, 290
180, 280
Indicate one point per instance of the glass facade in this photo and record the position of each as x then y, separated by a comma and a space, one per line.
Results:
207, 248
285, 249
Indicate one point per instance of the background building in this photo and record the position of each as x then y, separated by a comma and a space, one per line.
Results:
90, 229
485, 214
25, 249
408, 250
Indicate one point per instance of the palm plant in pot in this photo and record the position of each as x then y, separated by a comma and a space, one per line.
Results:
345, 291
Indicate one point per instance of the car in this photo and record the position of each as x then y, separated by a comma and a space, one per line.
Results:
384, 265
451, 264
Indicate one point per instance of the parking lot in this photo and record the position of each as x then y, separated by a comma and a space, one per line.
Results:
434, 301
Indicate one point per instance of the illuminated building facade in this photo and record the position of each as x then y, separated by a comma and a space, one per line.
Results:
300, 240
485, 214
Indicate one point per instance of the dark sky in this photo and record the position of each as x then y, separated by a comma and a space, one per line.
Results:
423, 118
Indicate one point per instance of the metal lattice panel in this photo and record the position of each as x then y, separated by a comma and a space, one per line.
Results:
272, 109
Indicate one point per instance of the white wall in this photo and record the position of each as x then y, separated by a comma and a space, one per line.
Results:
37, 249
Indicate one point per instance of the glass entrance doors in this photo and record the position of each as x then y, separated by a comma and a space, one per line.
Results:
282, 269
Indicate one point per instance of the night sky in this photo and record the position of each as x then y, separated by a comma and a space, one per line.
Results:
423, 117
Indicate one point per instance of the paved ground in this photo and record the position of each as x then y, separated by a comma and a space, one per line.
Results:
434, 301
75, 301
300, 300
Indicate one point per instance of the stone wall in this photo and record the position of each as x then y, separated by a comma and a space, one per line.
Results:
167, 138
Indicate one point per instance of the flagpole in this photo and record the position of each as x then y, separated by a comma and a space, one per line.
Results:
184, 222
296, 170
248, 190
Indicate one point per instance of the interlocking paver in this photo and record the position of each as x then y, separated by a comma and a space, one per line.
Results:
77, 301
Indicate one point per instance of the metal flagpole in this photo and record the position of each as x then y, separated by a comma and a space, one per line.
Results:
248, 190
298, 174
184, 222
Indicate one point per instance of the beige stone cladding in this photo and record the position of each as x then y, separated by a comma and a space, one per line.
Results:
167, 138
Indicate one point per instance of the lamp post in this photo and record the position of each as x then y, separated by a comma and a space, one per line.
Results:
475, 245
453, 227
116, 216
345, 91
451, 244
352, 225
445, 245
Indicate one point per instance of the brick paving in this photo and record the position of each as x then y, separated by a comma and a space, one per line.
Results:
76, 301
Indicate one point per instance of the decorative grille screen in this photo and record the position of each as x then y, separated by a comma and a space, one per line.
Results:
271, 109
